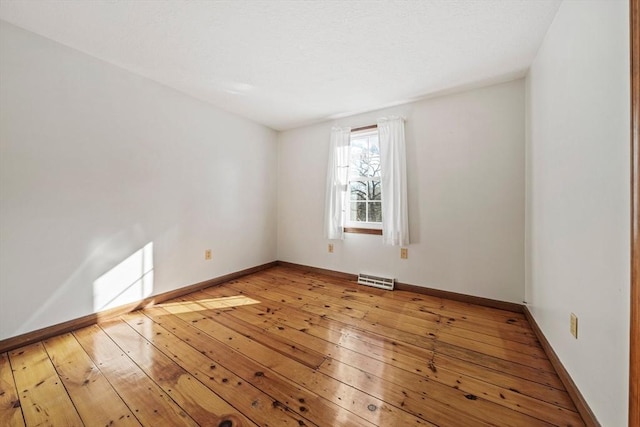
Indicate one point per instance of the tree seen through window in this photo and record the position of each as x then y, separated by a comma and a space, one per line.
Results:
365, 193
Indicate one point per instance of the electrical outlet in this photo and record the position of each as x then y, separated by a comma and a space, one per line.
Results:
207, 254
404, 253
330, 248
574, 325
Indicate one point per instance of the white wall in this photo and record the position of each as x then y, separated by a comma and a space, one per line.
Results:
578, 198
466, 196
96, 162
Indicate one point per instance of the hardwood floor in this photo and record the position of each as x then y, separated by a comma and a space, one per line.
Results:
285, 348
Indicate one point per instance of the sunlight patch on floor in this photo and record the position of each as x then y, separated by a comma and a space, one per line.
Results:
208, 304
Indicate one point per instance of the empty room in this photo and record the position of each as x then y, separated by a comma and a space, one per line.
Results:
319, 213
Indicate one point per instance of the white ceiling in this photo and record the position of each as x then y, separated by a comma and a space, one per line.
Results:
289, 63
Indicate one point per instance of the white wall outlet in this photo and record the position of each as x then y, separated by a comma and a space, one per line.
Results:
574, 325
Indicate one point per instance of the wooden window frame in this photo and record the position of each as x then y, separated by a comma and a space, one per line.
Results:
361, 230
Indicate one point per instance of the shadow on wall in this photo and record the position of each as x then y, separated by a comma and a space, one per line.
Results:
127, 282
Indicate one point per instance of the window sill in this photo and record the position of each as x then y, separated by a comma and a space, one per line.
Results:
358, 230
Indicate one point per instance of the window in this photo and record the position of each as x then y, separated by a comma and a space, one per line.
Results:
364, 208
354, 202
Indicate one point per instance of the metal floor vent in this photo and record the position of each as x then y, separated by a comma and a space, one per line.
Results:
376, 282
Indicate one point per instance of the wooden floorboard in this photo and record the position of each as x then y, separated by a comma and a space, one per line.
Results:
95, 399
284, 347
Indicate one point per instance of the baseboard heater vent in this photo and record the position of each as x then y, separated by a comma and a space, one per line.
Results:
376, 282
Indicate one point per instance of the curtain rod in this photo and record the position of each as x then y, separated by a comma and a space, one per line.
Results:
364, 128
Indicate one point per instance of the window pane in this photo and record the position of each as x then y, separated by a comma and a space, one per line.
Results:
360, 144
365, 157
358, 190
373, 189
374, 145
374, 155
358, 151
359, 165
374, 162
369, 166
374, 166
365, 189
358, 211
375, 212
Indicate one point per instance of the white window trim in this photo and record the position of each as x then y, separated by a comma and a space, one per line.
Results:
362, 224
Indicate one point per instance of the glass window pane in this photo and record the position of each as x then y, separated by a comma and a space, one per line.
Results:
375, 212
358, 190
359, 166
374, 145
358, 211
374, 164
365, 190
370, 167
374, 154
361, 144
373, 189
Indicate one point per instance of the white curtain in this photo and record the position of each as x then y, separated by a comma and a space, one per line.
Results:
337, 182
395, 214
